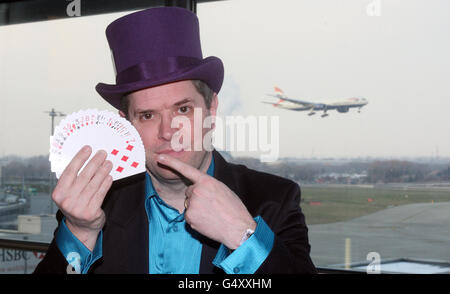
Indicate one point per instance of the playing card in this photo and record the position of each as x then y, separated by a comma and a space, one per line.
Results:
102, 130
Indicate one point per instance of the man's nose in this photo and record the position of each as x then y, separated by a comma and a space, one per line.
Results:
165, 130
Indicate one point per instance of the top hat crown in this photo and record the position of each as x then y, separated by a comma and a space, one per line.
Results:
154, 47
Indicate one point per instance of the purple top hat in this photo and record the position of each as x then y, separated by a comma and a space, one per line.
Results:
154, 47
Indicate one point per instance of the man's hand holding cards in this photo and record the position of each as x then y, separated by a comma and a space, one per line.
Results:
88, 151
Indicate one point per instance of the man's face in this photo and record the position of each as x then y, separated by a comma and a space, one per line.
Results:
151, 112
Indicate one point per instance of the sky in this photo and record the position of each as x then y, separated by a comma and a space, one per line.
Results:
394, 53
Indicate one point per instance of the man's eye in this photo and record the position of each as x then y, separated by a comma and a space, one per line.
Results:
184, 109
146, 116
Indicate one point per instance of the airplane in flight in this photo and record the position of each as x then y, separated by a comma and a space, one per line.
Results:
342, 105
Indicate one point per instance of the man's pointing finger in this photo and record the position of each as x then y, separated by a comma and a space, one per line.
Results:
186, 170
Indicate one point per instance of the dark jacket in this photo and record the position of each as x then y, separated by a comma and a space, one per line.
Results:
125, 234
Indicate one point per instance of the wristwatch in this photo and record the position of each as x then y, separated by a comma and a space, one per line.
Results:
246, 235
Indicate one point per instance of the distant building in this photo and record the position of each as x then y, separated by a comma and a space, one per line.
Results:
341, 178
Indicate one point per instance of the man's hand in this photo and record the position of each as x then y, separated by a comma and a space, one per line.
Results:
80, 197
213, 209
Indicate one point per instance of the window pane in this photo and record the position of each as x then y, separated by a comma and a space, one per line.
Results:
44, 67
375, 177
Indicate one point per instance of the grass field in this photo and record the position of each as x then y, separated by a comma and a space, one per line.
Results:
333, 204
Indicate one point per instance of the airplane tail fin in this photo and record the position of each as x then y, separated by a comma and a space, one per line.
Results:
279, 94
278, 90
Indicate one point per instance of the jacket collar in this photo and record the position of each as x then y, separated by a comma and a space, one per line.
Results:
222, 171
209, 249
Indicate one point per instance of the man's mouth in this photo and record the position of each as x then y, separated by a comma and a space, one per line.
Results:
170, 152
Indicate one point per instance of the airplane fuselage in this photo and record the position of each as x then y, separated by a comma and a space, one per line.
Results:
319, 106
302, 105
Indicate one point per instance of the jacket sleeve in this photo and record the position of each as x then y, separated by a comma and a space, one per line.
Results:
54, 261
290, 253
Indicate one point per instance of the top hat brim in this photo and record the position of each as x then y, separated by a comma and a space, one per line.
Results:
209, 70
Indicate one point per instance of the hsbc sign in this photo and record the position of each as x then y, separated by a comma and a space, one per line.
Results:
13, 261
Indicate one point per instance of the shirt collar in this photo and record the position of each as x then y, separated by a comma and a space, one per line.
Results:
150, 190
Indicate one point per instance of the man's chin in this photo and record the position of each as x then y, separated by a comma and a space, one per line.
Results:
168, 174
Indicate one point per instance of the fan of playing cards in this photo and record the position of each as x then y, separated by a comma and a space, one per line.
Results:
102, 130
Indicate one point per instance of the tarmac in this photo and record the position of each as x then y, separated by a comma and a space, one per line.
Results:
413, 231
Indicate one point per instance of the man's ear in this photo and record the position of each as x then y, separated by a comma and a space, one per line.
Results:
214, 105
213, 108
122, 114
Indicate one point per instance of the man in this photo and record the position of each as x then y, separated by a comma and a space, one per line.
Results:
192, 212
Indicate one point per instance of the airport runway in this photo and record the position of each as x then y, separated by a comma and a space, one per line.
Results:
419, 231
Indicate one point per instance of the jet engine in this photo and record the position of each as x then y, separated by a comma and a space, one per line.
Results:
342, 109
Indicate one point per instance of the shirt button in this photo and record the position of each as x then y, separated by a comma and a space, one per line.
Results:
175, 228
236, 270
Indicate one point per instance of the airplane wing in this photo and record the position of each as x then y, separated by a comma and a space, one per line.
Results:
290, 108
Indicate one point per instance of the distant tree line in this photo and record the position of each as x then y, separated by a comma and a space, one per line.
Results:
379, 171
31, 167
399, 172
